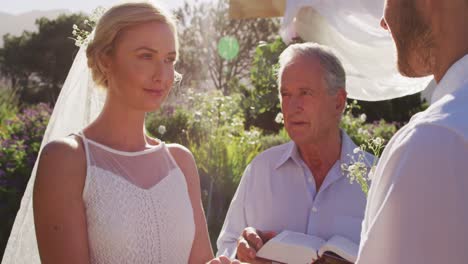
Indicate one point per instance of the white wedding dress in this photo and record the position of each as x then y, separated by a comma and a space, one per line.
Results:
137, 206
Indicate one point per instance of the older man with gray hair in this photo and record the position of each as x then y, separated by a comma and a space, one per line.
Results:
299, 186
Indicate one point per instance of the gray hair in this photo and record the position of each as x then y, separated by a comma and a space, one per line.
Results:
335, 75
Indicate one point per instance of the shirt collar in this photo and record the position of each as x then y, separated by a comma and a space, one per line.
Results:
454, 78
292, 151
289, 153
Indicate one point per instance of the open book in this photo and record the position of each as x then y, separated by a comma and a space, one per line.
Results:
298, 248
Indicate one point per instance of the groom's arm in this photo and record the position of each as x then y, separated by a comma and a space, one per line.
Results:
423, 216
235, 220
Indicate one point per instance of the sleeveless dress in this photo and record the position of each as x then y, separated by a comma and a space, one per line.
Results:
137, 206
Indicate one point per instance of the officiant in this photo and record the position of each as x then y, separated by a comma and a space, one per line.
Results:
300, 186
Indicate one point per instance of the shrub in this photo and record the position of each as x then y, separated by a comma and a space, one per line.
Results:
8, 103
20, 139
360, 131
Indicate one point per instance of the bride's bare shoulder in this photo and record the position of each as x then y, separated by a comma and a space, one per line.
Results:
64, 149
181, 154
63, 159
186, 162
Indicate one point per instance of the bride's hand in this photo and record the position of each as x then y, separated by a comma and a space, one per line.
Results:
223, 260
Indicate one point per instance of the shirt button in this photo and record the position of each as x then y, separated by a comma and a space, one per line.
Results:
314, 209
310, 179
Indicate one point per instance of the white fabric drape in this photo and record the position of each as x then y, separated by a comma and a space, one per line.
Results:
352, 29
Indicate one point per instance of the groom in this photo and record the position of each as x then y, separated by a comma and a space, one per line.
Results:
417, 208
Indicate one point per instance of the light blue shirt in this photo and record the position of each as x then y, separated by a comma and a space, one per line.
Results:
277, 192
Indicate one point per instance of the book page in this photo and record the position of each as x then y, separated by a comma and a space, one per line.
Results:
292, 248
341, 246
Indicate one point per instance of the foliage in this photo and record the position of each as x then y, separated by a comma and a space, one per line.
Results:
201, 27
395, 110
261, 103
37, 63
175, 121
370, 138
360, 131
361, 169
20, 139
8, 103
211, 125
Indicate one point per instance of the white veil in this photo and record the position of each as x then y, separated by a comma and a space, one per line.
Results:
79, 103
352, 29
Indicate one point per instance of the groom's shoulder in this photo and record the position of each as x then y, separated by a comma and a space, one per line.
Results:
446, 117
273, 155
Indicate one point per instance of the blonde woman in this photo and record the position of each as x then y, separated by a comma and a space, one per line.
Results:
110, 193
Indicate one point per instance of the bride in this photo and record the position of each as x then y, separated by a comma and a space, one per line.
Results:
108, 192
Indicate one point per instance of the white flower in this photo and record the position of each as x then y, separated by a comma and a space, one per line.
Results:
162, 129
86, 21
74, 32
363, 117
356, 150
279, 118
75, 26
363, 132
197, 116
378, 141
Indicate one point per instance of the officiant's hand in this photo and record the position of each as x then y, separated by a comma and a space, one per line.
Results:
250, 242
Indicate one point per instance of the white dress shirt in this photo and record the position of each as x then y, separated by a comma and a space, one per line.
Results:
417, 210
277, 192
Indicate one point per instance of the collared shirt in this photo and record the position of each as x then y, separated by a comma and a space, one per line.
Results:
417, 210
277, 192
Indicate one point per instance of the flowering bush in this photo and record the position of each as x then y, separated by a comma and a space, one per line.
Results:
361, 169
362, 132
20, 139
8, 103
211, 125
370, 138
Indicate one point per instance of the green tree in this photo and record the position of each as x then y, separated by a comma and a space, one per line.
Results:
396, 110
261, 104
37, 63
201, 27
15, 57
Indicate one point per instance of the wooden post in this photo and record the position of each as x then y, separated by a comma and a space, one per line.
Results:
241, 9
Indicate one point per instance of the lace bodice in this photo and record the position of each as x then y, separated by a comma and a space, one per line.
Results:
137, 206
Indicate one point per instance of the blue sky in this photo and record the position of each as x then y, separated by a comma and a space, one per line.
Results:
21, 6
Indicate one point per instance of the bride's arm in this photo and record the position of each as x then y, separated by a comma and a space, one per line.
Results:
59, 213
201, 247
